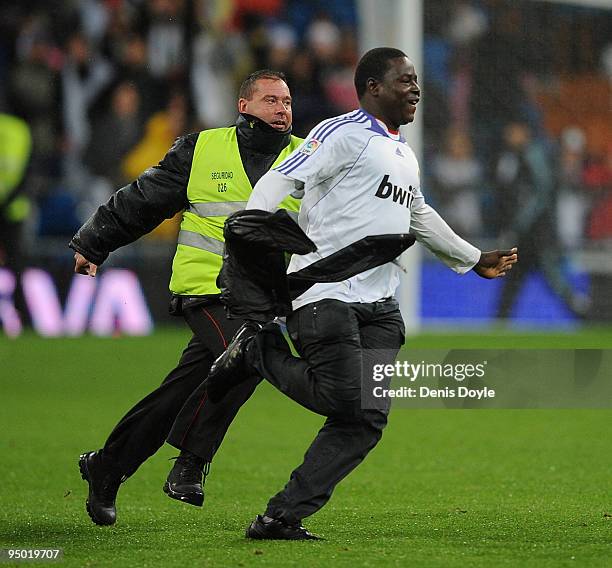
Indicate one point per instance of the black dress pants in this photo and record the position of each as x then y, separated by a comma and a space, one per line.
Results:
335, 339
179, 409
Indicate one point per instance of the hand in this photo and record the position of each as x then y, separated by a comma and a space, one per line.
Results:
83, 266
496, 263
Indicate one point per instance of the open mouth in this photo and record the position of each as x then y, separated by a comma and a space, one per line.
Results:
279, 124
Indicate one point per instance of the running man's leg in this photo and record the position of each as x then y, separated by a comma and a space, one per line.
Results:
350, 432
140, 433
143, 429
326, 379
201, 425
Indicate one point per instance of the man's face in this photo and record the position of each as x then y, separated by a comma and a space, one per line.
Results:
399, 92
271, 102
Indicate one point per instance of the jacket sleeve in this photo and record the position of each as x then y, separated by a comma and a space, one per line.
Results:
136, 209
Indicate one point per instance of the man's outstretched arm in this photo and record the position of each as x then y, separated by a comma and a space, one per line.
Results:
136, 209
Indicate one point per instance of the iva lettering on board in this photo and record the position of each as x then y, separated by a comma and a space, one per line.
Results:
114, 303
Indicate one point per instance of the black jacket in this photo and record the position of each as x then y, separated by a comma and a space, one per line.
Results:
161, 191
253, 279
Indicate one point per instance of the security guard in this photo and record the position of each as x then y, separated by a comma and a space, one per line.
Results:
208, 175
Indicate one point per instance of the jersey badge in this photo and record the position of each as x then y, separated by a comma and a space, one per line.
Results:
310, 147
398, 152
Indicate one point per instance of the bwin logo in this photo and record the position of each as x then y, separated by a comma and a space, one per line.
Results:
399, 195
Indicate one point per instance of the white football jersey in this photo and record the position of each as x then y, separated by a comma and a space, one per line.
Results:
359, 179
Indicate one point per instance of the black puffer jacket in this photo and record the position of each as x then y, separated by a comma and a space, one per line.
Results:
253, 280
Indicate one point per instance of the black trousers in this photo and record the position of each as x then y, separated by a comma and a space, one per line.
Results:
333, 338
179, 410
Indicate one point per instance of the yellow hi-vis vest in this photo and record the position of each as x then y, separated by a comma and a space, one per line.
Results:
15, 148
218, 186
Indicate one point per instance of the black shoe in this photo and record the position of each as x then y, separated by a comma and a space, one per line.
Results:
104, 480
230, 368
186, 479
267, 528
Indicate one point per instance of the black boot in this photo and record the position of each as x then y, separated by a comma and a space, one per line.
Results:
231, 367
104, 479
185, 481
267, 528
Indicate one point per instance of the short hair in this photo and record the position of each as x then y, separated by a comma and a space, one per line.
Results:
374, 64
248, 85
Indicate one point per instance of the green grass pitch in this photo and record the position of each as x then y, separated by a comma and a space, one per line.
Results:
443, 488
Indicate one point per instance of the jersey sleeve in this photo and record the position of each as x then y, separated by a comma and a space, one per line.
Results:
270, 190
434, 233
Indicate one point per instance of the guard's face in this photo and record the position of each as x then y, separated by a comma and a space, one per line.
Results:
399, 91
271, 102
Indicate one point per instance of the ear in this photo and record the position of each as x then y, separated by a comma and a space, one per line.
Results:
242, 105
372, 86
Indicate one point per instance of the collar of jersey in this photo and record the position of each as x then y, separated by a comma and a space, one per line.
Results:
380, 128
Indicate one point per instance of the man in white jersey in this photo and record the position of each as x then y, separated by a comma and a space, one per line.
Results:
359, 178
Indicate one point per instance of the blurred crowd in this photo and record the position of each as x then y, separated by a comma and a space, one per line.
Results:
106, 86
518, 119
